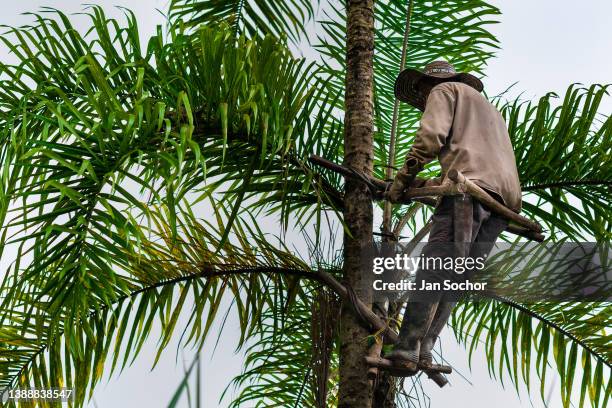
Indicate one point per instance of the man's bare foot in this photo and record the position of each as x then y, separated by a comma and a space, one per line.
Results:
425, 365
403, 358
425, 360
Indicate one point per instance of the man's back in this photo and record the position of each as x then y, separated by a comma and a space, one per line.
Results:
468, 134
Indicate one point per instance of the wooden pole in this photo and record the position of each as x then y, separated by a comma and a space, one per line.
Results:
374, 352
478, 193
388, 365
435, 373
392, 140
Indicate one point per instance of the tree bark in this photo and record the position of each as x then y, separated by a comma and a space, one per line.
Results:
355, 390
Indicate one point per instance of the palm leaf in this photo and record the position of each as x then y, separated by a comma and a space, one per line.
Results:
167, 276
294, 363
110, 132
253, 17
513, 336
561, 151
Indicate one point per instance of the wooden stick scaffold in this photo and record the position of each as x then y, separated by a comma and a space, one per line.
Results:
455, 183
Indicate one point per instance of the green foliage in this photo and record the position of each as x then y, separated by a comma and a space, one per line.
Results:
561, 335
94, 149
563, 152
168, 275
108, 156
253, 17
293, 363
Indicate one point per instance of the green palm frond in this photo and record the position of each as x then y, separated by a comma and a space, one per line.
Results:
253, 17
571, 337
92, 145
294, 363
167, 275
108, 116
562, 151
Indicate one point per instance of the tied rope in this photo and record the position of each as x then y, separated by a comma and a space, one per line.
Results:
352, 298
374, 190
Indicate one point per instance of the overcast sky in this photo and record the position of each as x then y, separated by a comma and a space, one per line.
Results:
546, 45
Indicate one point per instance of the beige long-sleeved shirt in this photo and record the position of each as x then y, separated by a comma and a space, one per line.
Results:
467, 133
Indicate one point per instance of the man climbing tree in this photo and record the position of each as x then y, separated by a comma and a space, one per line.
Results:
149, 185
465, 132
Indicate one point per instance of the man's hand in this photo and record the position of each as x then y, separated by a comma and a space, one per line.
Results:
404, 177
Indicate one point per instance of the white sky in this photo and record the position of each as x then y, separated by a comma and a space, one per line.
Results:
546, 45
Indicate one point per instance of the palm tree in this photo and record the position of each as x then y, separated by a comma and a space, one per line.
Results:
135, 178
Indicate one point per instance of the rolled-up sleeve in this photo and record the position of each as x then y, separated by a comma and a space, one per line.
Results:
435, 126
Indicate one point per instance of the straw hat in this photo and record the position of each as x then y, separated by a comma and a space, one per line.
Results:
409, 83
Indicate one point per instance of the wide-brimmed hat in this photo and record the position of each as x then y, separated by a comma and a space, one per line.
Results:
409, 83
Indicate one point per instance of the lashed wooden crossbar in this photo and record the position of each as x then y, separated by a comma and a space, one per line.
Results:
381, 362
434, 372
456, 183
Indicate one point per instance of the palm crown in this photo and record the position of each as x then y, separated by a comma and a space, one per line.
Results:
135, 177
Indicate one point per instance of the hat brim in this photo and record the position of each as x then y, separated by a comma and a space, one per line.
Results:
409, 85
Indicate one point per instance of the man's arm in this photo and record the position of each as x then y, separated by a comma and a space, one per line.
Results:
435, 126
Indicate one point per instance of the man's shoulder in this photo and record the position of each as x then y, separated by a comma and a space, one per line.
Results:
457, 88
463, 92
445, 87
466, 95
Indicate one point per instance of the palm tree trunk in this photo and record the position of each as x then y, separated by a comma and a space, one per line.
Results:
355, 390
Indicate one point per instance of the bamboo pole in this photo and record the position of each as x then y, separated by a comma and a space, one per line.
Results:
389, 170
